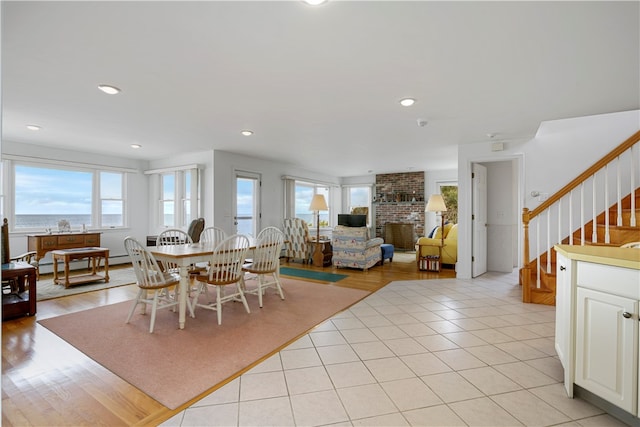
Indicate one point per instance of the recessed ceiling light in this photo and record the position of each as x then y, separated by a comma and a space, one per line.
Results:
33, 127
407, 102
247, 132
136, 146
315, 2
108, 89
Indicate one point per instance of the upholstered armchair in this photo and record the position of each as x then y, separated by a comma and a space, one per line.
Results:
430, 245
353, 248
297, 241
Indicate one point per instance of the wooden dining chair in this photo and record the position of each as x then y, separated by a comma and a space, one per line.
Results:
175, 236
172, 236
225, 269
212, 235
264, 268
150, 279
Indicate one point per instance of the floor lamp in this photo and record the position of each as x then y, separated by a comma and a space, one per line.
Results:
436, 204
318, 203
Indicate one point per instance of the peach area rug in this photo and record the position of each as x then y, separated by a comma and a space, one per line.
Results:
172, 365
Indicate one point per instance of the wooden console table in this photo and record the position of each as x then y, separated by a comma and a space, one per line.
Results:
43, 243
22, 300
93, 254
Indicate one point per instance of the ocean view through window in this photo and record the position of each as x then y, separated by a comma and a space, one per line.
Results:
44, 195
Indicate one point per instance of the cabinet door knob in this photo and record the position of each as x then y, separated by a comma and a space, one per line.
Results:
563, 268
626, 315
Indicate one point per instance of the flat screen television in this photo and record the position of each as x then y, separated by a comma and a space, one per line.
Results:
352, 220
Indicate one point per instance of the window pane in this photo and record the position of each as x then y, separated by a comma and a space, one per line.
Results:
304, 194
112, 213
168, 186
110, 185
324, 215
186, 214
44, 196
359, 196
167, 214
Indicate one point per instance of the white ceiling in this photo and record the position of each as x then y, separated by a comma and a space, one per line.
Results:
319, 86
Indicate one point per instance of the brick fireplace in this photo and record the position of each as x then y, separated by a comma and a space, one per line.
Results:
399, 203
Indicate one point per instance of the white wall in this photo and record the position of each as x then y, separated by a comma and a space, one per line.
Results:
136, 184
561, 150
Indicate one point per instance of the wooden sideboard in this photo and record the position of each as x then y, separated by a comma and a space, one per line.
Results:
43, 243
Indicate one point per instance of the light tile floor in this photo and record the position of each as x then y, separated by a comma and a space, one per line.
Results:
445, 352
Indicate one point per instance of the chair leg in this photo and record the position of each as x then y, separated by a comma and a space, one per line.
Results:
154, 310
244, 300
135, 304
219, 304
277, 280
260, 290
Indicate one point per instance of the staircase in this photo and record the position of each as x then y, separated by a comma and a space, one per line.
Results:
597, 194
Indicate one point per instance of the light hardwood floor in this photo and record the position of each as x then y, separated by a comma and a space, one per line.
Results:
47, 382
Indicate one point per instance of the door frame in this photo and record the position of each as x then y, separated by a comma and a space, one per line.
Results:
239, 173
464, 266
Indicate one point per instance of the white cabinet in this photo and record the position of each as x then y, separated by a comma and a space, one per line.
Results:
597, 323
606, 347
564, 319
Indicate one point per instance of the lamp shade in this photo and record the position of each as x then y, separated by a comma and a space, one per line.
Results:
435, 204
318, 203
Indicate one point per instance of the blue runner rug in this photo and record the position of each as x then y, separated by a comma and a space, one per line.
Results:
310, 274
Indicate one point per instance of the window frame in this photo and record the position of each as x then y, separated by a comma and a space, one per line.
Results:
369, 204
8, 204
315, 186
186, 201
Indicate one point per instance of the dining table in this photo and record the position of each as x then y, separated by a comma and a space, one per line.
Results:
185, 256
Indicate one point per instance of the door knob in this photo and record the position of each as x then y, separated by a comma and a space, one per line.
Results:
626, 315
563, 268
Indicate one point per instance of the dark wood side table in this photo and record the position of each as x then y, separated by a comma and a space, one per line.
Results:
23, 301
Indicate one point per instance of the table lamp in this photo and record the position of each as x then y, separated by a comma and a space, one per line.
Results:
318, 203
436, 204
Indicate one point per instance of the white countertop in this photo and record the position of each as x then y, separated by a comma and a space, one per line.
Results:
610, 255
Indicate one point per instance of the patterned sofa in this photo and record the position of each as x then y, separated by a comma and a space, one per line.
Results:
353, 248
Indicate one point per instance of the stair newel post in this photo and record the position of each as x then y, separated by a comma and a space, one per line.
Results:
525, 277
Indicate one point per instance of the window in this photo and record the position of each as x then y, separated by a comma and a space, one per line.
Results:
304, 192
360, 197
43, 195
112, 199
177, 192
168, 199
449, 193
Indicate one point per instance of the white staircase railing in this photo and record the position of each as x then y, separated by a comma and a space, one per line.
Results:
614, 175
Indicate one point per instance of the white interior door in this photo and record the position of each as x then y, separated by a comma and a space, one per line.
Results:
246, 215
479, 220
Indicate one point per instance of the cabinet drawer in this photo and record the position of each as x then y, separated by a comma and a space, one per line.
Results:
48, 242
608, 278
70, 240
92, 240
